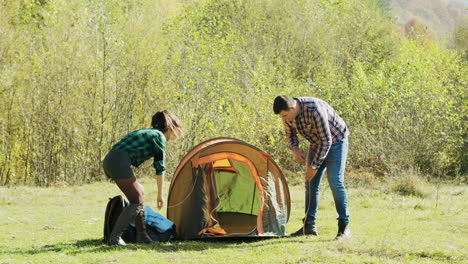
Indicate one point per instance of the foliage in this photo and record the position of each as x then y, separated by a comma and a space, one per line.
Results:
459, 40
423, 109
76, 76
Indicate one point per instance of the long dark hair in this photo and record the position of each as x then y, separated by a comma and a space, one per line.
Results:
167, 121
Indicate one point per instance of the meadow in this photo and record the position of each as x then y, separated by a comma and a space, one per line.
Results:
400, 221
76, 76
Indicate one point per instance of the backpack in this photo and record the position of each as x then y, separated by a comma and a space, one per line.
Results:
156, 231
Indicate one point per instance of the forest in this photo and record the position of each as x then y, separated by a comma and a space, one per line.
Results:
77, 75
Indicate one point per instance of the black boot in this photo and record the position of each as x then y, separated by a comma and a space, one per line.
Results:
307, 229
343, 230
127, 215
140, 226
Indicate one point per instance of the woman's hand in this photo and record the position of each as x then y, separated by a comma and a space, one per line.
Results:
159, 183
160, 202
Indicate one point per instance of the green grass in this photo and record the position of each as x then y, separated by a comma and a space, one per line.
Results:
64, 225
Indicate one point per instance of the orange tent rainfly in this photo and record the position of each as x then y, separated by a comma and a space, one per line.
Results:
225, 187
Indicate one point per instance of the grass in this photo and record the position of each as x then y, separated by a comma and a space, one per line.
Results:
64, 225
409, 185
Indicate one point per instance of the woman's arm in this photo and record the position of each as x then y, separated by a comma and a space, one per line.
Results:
160, 183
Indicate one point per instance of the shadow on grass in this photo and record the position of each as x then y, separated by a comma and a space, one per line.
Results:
96, 245
89, 246
61, 247
176, 245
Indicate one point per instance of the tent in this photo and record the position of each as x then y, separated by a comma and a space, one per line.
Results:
225, 187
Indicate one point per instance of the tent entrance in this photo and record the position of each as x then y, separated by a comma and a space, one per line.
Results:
235, 223
235, 198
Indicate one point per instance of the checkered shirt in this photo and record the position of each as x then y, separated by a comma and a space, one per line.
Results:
143, 144
319, 124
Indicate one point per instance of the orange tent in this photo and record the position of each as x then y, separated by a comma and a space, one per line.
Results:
226, 187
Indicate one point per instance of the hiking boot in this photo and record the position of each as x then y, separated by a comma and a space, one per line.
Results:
127, 215
307, 229
117, 241
140, 226
343, 230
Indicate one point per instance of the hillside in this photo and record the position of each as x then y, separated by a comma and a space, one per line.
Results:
440, 16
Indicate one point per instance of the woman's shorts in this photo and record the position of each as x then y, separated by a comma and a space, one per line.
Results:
117, 165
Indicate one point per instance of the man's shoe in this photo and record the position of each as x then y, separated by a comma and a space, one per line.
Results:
343, 230
307, 229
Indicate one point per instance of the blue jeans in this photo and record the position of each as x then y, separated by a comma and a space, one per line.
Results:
334, 163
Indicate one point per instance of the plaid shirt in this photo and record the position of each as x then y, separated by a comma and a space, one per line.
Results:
319, 124
143, 144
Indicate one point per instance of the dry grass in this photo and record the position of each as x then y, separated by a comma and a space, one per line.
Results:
64, 225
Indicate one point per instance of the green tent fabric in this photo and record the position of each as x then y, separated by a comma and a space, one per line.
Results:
237, 191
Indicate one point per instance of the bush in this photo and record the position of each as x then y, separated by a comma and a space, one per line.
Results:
409, 185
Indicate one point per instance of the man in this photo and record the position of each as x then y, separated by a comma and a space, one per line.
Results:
327, 134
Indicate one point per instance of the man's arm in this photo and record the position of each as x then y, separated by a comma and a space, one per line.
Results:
320, 119
293, 142
291, 135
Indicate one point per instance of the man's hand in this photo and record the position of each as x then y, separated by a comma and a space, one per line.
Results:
298, 155
160, 201
310, 173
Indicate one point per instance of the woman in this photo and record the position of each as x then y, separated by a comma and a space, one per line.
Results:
134, 149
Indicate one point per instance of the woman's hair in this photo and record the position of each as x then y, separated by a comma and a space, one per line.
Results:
167, 121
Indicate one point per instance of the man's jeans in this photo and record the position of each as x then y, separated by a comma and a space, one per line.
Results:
334, 163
